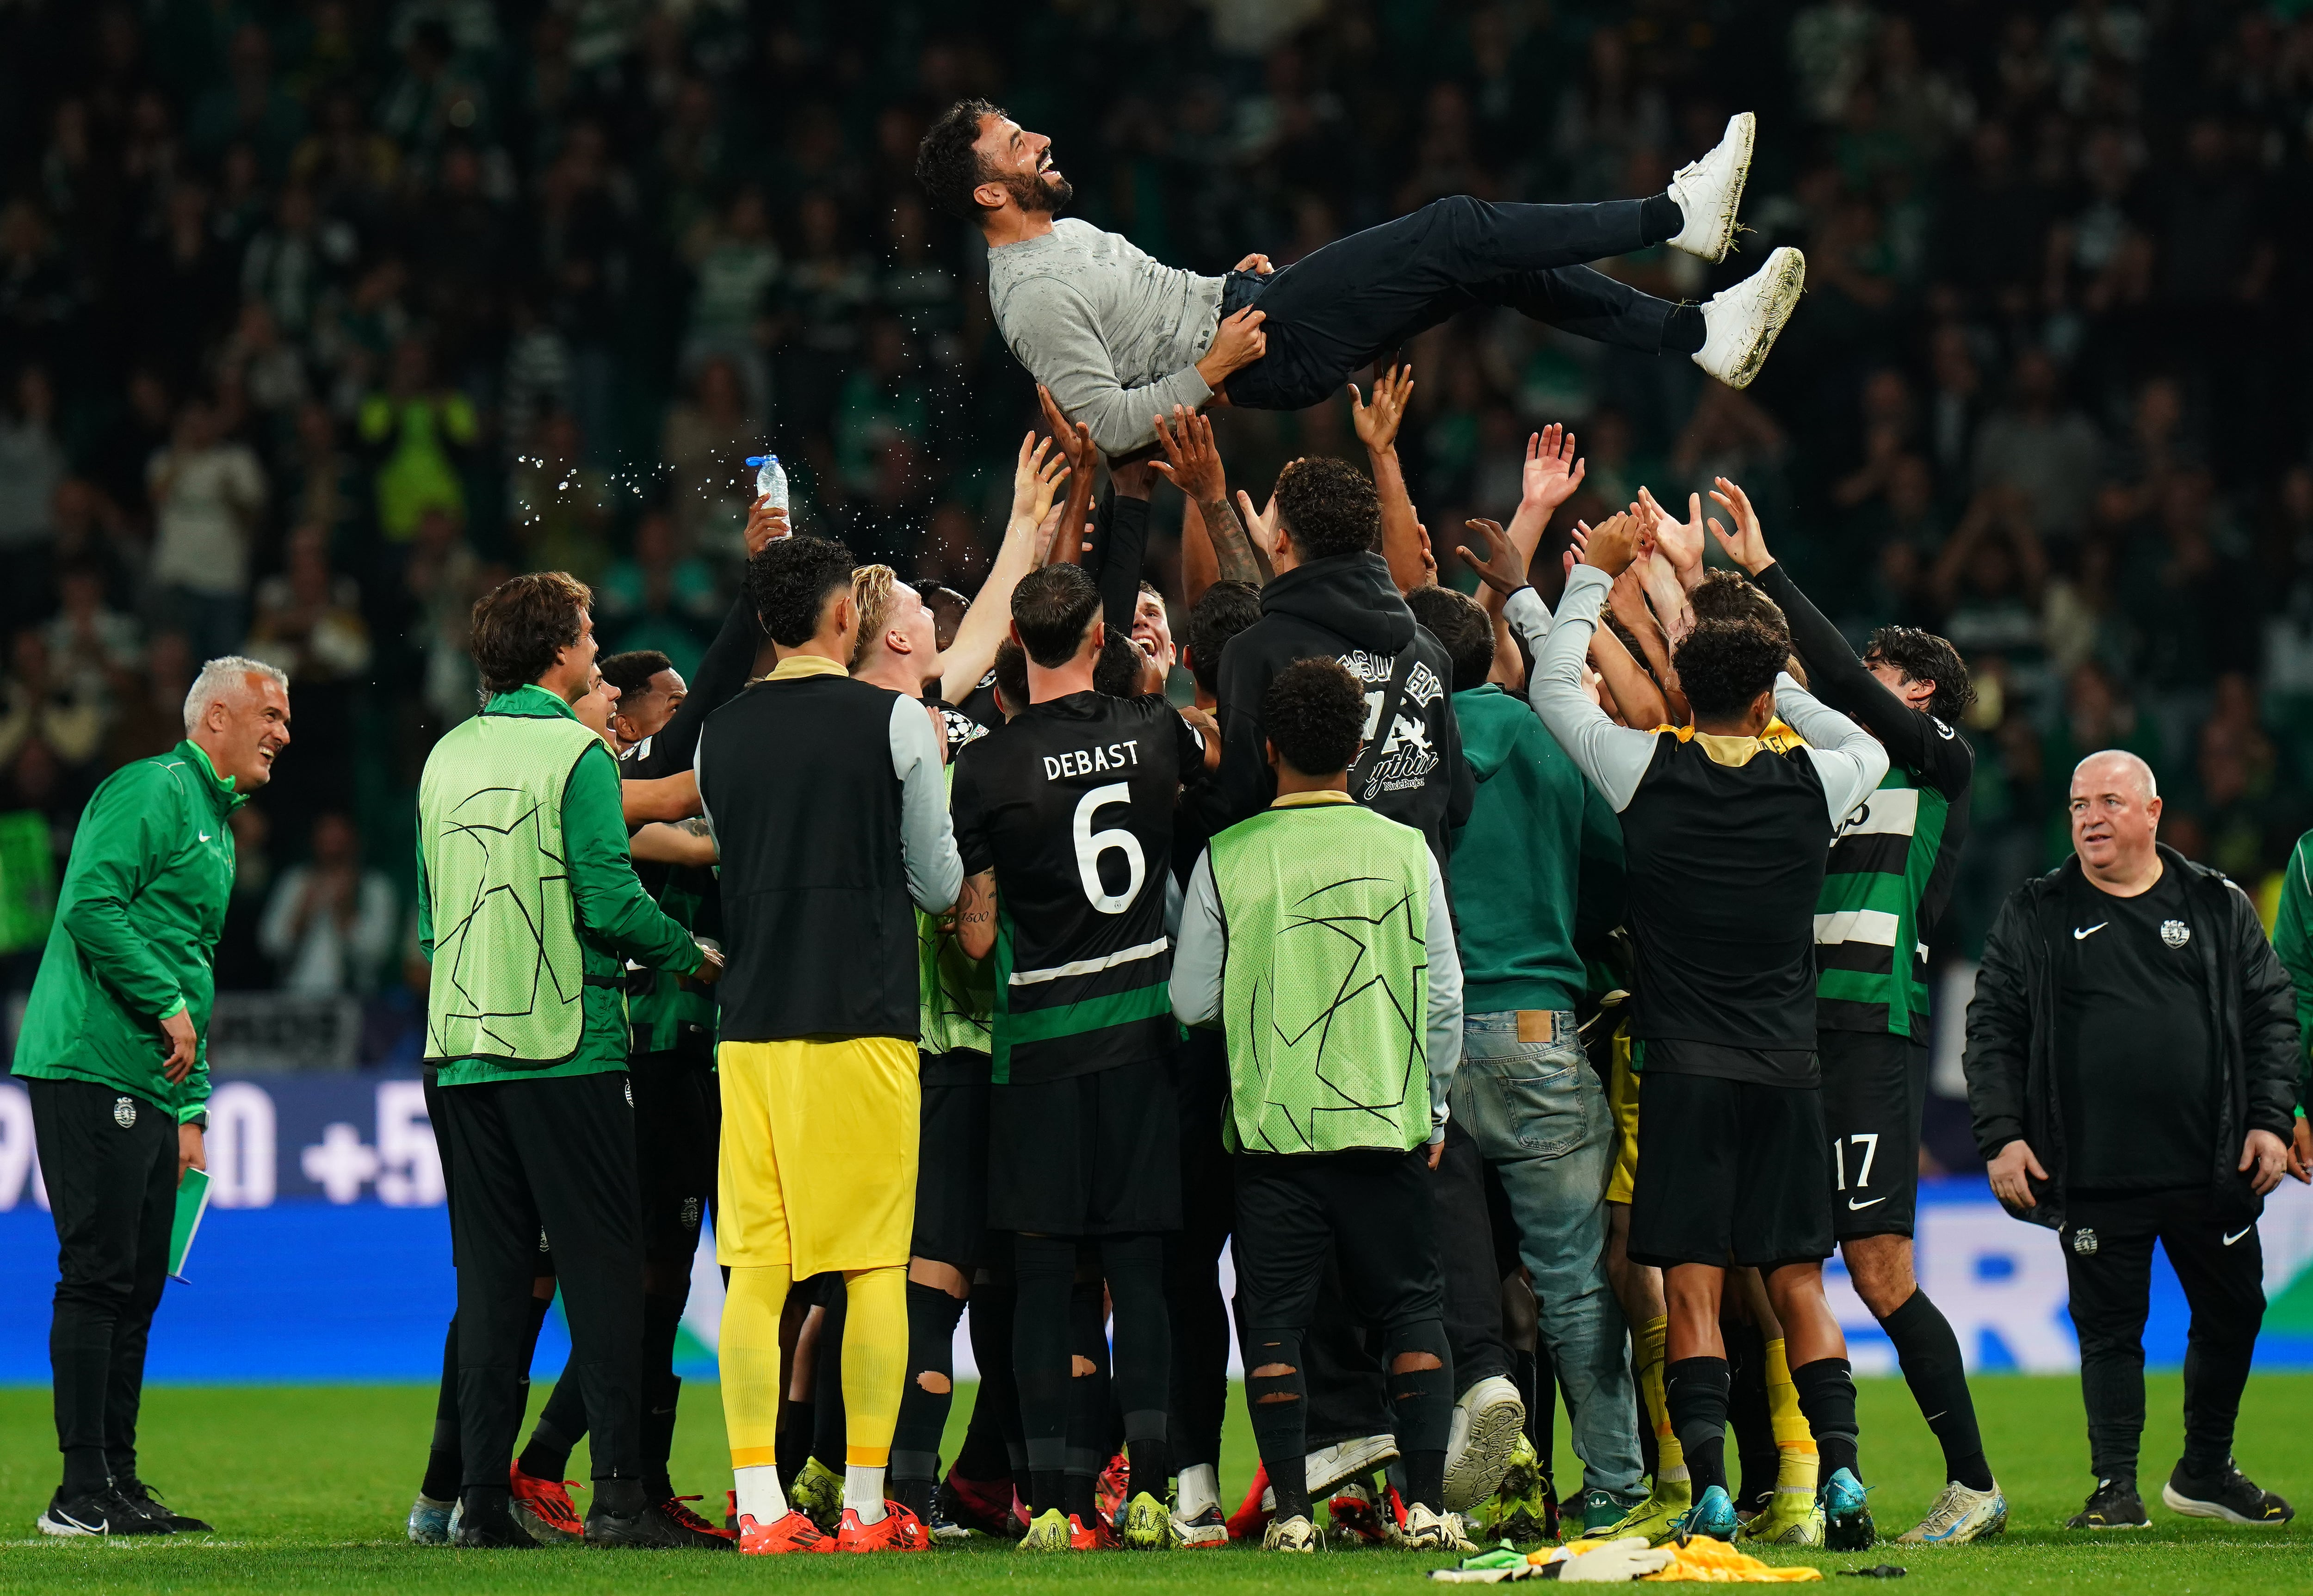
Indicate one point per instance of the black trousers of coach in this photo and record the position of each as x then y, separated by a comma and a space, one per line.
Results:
2108, 1264
558, 1156
109, 1161
1362, 296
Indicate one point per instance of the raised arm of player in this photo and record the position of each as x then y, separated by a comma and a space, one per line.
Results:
1614, 757
1036, 475
1376, 425
1214, 544
1849, 759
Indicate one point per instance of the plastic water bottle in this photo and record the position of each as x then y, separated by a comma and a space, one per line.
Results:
771, 477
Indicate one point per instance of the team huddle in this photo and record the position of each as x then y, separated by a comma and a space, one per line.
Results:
1530, 996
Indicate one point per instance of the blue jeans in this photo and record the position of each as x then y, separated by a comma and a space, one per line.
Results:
1539, 1116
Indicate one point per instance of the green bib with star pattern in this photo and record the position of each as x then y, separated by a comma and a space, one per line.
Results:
508, 984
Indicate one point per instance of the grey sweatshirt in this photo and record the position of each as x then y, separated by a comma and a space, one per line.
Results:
1113, 333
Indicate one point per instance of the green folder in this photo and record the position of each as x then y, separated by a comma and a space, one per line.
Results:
192, 1202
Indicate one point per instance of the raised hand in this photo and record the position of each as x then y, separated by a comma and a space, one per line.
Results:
1681, 542
1613, 544
1259, 525
1552, 472
1376, 423
1035, 479
1191, 463
1258, 265
766, 524
1499, 567
1075, 442
1749, 546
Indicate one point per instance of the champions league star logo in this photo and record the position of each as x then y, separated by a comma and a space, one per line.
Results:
2176, 933
124, 1112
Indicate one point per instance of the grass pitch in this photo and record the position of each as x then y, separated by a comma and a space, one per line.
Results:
309, 1486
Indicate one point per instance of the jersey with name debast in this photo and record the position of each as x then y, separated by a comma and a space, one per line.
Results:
1070, 803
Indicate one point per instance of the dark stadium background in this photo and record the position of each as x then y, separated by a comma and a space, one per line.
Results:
471, 288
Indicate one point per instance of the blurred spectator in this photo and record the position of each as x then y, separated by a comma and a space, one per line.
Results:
2040, 448
206, 493
735, 265
561, 505
98, 648
31, 463
705, 443
659, 597
152, 720
330, 923
38, 704
309, 620
416, 434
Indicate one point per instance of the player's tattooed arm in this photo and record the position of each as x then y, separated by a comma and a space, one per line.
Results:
1192, 464
975, 916
660, 843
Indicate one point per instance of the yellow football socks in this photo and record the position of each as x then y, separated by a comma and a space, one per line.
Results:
1795, 1454
1670, 1456
749, 1353
874, 1362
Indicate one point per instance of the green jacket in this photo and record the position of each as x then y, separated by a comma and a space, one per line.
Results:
1536, 827
612, 916
2292, 939
138, 917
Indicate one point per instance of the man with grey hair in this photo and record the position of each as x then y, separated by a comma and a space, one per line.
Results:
2132, 1069
112, 1056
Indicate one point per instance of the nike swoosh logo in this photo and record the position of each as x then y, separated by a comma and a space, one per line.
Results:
1852, 1205
2079, 936
204, 837
2238, 1234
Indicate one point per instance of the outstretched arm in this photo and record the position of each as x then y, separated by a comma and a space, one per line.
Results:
1614, 758
1376, 428
1214, 545
1035, 478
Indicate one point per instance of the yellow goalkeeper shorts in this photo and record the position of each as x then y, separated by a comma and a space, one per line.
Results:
1622, 1098
818, 1168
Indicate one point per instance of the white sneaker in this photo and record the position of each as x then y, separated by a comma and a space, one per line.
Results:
1295, 1534
1329, 1465
1487, 1423
1739, 323
1428, 1531
1959, 1516
1708, 191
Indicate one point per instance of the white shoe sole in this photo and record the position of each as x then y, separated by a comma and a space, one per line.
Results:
1332, 1465
1477, 1472
69, 1528
2211, 1510
1786, 271
1198, 1538
1743, 128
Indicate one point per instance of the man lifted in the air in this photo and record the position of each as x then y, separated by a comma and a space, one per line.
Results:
1120, 339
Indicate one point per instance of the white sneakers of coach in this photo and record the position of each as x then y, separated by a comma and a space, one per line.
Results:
1739, 323
1487, 1423
1711, 189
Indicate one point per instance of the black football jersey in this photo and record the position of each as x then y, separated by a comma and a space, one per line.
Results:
1071, 805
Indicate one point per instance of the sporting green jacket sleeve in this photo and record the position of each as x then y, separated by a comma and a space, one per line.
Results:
119, 849
610, 897
2292, 939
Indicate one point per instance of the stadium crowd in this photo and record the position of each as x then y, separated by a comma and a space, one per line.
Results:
314, 319
312, 356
